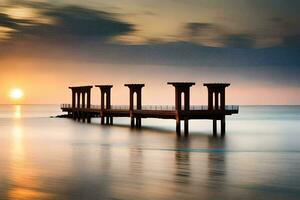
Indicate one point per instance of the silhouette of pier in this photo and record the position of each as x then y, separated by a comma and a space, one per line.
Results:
216, 110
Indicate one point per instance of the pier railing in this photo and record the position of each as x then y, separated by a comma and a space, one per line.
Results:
155, 107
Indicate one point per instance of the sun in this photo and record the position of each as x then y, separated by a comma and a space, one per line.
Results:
16, 94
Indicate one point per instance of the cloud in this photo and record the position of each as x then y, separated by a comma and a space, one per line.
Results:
291, 41
281, 33
206, 34
209, 34
238, 40
195, 28
68, 22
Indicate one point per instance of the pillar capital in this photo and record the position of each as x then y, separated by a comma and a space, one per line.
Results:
181, 84
81, 88
216, 87
135, 87
104, 87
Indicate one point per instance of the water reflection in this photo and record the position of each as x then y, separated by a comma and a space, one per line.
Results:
17, 153
68, 160
136, 162
17, 111
216, 162
23, 175
182, 160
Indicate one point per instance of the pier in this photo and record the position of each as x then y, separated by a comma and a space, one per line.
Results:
215, 110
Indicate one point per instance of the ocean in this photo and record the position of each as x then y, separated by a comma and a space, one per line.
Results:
57, 158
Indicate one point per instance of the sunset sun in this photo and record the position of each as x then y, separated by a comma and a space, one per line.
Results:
16, 94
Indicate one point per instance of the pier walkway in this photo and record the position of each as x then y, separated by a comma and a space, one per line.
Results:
216, 110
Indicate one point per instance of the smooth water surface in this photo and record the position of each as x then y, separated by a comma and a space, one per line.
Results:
54, 158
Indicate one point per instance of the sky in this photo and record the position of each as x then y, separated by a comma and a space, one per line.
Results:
47, 46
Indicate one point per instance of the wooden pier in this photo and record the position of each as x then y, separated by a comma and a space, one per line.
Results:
216, 110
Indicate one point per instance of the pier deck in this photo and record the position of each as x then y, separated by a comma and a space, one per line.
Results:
159, 112
216, 110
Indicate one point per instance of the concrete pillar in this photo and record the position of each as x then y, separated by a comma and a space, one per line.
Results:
178, 126
78, 106
223, 104
214, 127
186, 127
83, 99
78, 99
131, 101
131, 107
186, 108
187, 99
102, 103
102, 106
108, 99
223, 126
73, 103
210, 99
178, 99
73, 98
132, 122
82, 105
216, 101
88, 105
107, 120
107, 106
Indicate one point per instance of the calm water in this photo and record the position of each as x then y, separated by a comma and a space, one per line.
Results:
51, 158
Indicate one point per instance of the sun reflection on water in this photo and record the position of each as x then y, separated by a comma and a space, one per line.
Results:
17, 112
23, 172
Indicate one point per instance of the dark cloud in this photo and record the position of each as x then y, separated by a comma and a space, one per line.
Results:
209, 33
195, 28
6, 21
82, 22
238, 40
71, 22
291, 41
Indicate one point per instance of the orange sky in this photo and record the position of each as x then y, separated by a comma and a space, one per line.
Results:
45, 86
46, 47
